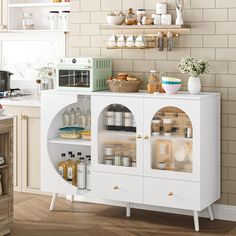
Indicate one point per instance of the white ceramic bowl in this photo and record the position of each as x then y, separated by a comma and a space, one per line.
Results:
171, 79
171, 88
115, 20
1, 111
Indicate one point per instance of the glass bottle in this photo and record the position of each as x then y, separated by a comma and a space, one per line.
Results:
27, 21
72, 171
66, 118
160, 40
72, 117
62, 167
77, 116
81, 174
88, 173
118, 118
170, 40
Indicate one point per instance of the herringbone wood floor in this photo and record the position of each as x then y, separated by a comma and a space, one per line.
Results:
32, 218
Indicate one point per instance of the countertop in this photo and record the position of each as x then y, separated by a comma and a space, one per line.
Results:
5, 117
29, 101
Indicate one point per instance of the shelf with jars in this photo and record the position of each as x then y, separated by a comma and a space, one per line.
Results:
38, 16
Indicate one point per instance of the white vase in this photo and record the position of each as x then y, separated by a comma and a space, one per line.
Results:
194, 85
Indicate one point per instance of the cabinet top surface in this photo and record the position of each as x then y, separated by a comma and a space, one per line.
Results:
141, 94
28, 101
6, 117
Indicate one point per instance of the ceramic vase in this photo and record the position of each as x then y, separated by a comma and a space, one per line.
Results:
194, 85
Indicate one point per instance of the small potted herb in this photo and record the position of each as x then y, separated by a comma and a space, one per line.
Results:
194, 68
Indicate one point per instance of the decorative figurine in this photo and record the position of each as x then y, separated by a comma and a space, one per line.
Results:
179, 12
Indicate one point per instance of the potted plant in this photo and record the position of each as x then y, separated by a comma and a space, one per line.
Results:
194, 68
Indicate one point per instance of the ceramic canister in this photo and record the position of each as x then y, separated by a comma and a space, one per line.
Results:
161, 8
166, 19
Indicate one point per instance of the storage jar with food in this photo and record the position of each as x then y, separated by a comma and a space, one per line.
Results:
167, 126
152, 81
130, 18
70, 132
156, 126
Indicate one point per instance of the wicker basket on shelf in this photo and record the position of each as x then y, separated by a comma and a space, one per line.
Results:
123, 86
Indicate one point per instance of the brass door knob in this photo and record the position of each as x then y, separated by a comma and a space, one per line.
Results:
116, 187
139, 136
23, 117
170, 194
146, 137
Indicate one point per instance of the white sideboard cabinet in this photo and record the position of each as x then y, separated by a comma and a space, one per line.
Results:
157, 150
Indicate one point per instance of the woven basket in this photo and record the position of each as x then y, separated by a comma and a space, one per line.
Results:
123, 86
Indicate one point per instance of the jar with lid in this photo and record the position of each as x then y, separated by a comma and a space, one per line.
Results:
130, 18
66, 118
140, 13
152, 82
27, 21
156, 126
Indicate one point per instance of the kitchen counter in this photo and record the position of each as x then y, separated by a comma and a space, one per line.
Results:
29, 101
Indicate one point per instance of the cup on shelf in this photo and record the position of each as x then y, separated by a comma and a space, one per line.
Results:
166, 19
140, 41
112, 41
157, 19
130, 42
121, 41
65, 20
53, 19
126, 161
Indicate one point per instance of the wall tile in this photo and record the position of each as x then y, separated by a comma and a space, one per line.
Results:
98, 41
232, 14
229, 160
232, 120
194, 41
226, 54
224, 172
99, 17
202, 3
90, 29
137, 4
215, 14
224, 120
133, 54
225, 3
232, 94
75, 6
232, 199
202, 27
215, 41
74, 29
155, 54
90, 5
232, 41
80, 17
122, 65
229, 186
226, 80
232, 67
90, 52
192, 15
144, 66
229, 107
232, 145
223, 199
225, 27
79, 41
232, 173
229, 134
114, 54
108, 5
208, 53
178, 53
224, 146
167, 66
219, 67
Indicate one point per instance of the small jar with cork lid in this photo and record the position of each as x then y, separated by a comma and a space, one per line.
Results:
152, 84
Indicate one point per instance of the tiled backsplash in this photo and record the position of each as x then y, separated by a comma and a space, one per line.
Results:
213, 36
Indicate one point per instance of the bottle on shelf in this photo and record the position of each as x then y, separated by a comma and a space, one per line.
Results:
81, 174
110, 118
72, 171
77, 116
66, 118
62, 167
72, 117
88, 173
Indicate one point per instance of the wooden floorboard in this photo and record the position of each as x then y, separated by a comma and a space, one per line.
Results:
33, 218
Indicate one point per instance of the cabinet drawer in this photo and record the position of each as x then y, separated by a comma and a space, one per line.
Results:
172, 193
124, 188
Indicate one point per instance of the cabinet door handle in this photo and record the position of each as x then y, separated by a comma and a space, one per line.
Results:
24, 117
171, 194
139, 136
146, 137
116, 187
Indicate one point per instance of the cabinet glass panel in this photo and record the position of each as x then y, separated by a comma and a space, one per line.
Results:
117, 137
172, 140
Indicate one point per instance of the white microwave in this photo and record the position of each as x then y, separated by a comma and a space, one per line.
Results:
83, 74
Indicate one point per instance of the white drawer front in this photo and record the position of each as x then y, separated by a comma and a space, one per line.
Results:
172, 193
117, 187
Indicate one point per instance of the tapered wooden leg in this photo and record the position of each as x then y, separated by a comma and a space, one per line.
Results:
54, 196
210, 213
128, 210
196, 221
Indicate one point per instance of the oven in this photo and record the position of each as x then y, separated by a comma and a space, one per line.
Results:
83, 74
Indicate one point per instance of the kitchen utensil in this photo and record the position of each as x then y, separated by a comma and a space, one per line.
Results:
5, 80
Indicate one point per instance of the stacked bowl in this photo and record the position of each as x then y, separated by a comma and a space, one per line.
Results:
171, 85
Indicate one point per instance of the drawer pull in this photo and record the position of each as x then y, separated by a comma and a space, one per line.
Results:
170, 194
139, 136
146, 137
116, 187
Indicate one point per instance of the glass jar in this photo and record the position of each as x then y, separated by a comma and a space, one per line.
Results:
72, 120
77, 116
152, 82
130, 18
27, 21
126, 161
140, 13
156, 126
167, 126
66, 118
108, 150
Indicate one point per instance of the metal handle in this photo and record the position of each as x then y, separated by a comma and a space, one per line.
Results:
146, 137
24, 117
116, 187
170, 194
139, 136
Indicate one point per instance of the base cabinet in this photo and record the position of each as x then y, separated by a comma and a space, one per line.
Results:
27, 148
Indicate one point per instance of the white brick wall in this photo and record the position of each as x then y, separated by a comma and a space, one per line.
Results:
212, 35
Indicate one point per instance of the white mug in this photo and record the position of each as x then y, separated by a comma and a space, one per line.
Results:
65, 20
53, 18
